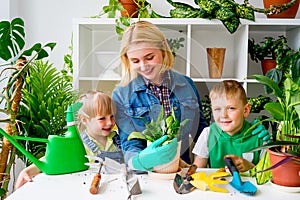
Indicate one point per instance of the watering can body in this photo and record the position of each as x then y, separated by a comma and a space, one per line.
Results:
64, 154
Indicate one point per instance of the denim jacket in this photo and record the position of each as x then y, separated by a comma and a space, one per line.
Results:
136, 106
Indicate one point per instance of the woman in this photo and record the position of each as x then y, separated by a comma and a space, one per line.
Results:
150, 82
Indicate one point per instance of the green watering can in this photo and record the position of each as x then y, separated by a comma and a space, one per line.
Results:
64, 154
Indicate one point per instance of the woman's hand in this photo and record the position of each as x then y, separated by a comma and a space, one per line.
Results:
155, 154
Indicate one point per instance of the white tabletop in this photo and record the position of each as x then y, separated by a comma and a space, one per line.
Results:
76, 186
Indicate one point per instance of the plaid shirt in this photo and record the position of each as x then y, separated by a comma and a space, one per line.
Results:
162, 92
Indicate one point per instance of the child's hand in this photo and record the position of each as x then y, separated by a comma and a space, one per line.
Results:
261, 131
26, 175
241, 164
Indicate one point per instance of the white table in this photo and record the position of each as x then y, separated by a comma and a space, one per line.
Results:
76, 186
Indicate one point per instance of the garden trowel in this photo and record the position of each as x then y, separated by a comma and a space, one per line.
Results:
182, 184
236, 182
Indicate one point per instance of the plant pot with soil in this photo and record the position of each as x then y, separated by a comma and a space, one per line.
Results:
290, 8
164, 125
285, 112
271, 52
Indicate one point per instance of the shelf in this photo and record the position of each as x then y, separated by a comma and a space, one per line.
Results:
94, 35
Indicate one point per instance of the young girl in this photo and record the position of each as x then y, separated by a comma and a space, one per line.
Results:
97, 122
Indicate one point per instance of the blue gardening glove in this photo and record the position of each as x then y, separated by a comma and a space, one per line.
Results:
261, 131
155, 154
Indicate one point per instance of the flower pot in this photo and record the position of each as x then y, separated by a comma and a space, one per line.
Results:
131, 8
289, 13
215, 58
171, 167
286, 174
266, 65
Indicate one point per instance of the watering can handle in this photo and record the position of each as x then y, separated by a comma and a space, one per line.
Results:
72, 111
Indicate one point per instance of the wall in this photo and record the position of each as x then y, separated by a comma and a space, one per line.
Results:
51, 21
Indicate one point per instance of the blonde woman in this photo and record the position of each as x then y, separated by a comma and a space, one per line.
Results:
150, 82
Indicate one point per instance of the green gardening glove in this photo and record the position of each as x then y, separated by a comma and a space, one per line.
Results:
155, 154
261, 131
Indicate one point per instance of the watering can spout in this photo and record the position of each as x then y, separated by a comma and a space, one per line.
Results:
64, 154
33, 159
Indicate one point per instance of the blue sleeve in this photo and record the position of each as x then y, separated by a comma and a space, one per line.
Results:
202, 121
125, 127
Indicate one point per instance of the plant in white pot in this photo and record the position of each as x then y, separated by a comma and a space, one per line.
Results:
286, 141
164, 125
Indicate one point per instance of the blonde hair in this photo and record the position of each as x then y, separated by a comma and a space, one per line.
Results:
230, 88
143, 32
95, 103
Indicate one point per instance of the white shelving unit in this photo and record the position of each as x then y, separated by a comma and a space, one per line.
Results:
97, 36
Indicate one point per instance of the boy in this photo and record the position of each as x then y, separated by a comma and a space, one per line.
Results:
225, 137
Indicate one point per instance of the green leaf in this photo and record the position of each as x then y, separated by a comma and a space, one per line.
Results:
41, 52
264, 163
2, 192
231, 24
270, 83
12, 38
136, 135
273, 144
224, 14
275, 109
245, 12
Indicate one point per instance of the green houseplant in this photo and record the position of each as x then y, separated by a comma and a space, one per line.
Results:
164, 125
46, 95
15, 66
227, 11
270, 50
175, 44
286, 140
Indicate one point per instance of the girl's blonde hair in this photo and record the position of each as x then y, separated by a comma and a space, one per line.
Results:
230, 88
95, 103
143, 32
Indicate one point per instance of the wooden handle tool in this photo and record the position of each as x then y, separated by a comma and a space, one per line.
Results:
96, 181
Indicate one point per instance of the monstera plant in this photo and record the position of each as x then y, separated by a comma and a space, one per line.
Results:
15, 62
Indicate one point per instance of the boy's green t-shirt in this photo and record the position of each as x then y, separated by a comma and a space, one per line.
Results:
221, 144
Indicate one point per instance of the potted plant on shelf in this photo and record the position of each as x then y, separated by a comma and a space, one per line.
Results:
175, 44
270, 52
164, 125
285, 8
258, 103
286, 141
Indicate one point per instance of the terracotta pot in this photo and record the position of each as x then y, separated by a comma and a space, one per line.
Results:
130, 7
266, 65
215, 58
290, 13
286, 174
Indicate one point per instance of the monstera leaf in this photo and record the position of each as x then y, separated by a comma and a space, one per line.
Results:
12, 40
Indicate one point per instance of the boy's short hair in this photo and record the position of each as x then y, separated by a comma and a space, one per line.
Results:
230, 88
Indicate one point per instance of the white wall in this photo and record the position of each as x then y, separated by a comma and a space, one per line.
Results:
51, 21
